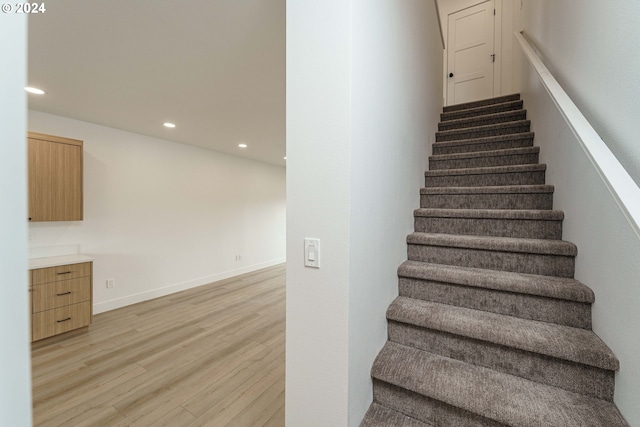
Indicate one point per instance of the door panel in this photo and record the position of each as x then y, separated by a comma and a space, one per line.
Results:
470, 44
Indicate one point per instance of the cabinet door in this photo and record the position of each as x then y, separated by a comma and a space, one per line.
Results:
39, 180
66, 182
55, 179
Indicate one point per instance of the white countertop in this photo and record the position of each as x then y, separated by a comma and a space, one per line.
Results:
55, 261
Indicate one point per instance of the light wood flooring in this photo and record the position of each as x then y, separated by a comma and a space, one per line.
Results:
208, 356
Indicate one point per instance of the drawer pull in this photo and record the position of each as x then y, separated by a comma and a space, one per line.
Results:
66, 272
63, 294
64, 320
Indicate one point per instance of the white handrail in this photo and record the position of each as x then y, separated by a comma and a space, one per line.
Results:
625, 191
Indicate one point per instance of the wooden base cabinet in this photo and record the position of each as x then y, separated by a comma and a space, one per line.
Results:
61, 299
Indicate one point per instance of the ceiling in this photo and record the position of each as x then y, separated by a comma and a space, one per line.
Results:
215, 68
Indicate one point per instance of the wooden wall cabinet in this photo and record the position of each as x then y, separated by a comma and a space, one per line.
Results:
55, 178
61, 299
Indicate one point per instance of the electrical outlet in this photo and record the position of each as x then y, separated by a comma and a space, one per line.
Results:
111, 283
238, 257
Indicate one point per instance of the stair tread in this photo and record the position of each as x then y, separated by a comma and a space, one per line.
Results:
490, 243
514, 123
478, 110
379, 415
498, 396
530, 284
488, 170
561, 342
519, 214
501, 189
486, 139
489, 153
481, 102
489, 116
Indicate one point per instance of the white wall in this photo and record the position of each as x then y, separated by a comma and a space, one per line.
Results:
608, 248
395, 106
15, 378
160, 217
593, 49
363, 93
318, 173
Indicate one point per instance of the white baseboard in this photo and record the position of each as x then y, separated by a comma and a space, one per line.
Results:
167, 290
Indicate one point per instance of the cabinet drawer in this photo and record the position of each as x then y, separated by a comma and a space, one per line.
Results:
62, 272
58, 294
60, 320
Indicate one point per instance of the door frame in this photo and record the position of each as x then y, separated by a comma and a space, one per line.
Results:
458, 6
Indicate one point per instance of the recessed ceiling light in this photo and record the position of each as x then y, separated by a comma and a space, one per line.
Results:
242, 145
169, 125
285, 157
34, 90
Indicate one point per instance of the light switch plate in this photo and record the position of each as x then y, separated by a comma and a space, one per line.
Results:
312, 253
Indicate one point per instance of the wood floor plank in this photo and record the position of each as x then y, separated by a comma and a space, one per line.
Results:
172, 361
277, 419
85, 415
263, 407
234, 383
183, 381
67, 400
234, 404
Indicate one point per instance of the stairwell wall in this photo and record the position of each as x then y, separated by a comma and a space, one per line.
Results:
161, 217
593, 49
396, 88
608, 248
363, 96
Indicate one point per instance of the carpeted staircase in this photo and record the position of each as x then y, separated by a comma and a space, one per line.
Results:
490, 328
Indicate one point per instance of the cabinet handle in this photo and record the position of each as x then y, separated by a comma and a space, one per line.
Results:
66, 293
64, 320
66, 272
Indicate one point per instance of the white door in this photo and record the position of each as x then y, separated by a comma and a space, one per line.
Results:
470, 54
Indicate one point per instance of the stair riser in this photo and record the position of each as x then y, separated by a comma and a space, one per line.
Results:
481, 103
569, 376
541, 264
471, 122
524, 306
473, 133
481, 146
484, 162
529, 229
487, 201
486, 179
492, 109
427, 410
